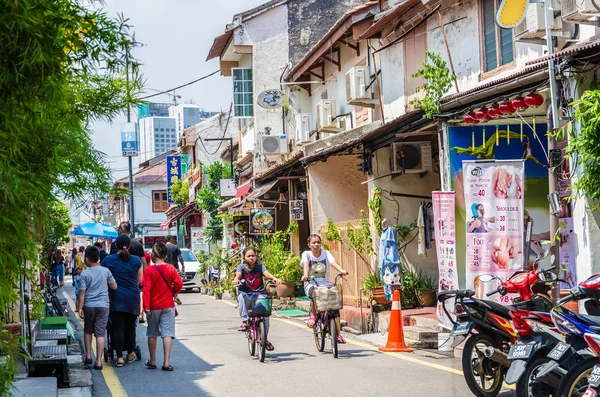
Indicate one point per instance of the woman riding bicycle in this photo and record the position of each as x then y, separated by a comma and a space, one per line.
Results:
252, 275
317, 264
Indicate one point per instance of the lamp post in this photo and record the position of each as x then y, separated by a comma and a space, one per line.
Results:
230, 140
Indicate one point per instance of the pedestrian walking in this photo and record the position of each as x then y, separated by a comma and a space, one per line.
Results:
161, 284
72, 263
100, 246
175, 258
57, 269
94, 304
79, 267
125, 300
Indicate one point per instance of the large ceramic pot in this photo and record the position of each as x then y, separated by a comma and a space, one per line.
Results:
285, 290
379, 296
427, 298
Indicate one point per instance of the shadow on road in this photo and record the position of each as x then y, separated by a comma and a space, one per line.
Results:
289, 356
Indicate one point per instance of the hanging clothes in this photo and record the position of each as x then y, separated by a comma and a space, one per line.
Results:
421, 233
389, 261
431, 222
427, 227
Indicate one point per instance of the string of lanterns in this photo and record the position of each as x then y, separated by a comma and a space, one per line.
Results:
485, 114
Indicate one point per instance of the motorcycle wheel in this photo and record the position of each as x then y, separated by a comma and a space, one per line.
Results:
527, 385
483, 376
575, 383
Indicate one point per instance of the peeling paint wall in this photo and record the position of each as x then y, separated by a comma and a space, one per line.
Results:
309, 21
391, 62
335, 191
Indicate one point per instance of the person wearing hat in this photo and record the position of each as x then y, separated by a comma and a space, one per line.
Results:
125, 300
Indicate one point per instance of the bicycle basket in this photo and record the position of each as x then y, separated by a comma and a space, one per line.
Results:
328, 298
258, 306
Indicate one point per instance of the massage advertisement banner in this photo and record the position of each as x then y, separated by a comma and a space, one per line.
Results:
444, 230
493, 193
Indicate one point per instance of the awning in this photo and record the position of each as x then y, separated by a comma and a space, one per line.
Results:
219, 45
183, 212
243, 189
228, 204
261, 190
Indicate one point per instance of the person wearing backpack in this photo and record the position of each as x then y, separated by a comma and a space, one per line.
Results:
161, 284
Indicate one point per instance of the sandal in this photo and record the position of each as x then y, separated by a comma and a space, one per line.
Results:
341, 339
98, 367
150, 366
311, 322
169, 368
243, 328
88, 361
132, 360
120, 364
269, 346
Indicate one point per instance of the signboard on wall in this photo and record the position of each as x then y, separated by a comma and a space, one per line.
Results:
262, 220
493, 192
241, 225
197, 239
173, 174
296, 210
227, 187
444, 229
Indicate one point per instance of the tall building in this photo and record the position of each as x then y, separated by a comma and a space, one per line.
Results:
157, 136
187, 115
151, 109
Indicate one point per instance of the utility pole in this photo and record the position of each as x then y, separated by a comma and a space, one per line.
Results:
553, 125
131, 212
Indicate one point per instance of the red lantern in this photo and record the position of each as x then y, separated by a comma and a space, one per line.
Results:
519, 103
506, 108
469, 119
494, 111
481, 114
534, 100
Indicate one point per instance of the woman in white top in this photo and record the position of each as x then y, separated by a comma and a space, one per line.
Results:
317, 263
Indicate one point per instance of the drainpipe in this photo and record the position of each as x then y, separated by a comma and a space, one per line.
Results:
281, 88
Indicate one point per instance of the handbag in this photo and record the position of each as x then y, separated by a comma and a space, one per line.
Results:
168, 286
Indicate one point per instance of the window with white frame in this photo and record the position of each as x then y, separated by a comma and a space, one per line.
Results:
242, 93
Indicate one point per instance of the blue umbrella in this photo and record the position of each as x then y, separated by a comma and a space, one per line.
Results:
95, 229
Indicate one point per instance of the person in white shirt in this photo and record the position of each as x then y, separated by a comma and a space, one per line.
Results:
317, 264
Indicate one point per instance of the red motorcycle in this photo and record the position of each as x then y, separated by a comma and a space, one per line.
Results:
488, 323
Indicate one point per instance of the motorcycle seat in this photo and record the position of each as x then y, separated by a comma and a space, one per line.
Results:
467, 293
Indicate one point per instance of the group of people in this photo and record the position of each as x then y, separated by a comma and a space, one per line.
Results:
117, 290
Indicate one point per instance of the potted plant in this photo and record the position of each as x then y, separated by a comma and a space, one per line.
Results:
410, 287
218, 292
290, 274
373, 284
427, 289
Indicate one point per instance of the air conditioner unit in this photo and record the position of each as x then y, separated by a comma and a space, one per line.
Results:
274, 144
521, 29
581, 11
536, 22
326, 112
303, 125
411, 157
342, 123
357, 80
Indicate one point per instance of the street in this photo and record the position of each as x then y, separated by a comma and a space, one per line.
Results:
211, 358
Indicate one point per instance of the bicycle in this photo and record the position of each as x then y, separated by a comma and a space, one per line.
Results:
326, 323
53, 306
259, 305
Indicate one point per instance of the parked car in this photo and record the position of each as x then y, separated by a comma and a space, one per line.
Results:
191, 278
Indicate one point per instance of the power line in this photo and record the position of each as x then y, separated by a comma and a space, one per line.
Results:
181, 86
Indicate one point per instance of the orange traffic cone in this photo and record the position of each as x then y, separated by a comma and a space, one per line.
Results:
395, 342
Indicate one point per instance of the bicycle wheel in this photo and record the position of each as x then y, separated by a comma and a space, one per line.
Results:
334, 337
319, 332
251, 342
262, 340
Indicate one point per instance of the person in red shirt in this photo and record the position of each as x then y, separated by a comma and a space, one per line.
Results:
161, 282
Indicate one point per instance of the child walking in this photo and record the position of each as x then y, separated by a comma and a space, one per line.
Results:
93, 303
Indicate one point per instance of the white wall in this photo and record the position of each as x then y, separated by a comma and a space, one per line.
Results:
391, 62
401, 210
335, 191
142, 201
214, 127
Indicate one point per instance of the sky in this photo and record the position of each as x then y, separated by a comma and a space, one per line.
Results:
176, 37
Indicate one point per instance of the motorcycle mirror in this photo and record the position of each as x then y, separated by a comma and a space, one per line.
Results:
485, 278
547, 276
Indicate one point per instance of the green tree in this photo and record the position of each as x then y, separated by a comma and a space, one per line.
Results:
57, 227
63, 66
438, 82
209, 198
180, 192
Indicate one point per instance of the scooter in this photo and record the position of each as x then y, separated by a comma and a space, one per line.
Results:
488, 323
571, 362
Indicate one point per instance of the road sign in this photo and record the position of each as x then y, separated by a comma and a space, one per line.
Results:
129, 145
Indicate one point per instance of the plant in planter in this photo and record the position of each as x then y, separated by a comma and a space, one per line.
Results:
218, 292
418, 288
427, 289
290, 274
374, 285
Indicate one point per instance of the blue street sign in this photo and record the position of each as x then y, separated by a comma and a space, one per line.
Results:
173, 173
129, 145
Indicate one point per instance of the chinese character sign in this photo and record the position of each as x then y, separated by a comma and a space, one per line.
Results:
129, 145
173, 174
494, 225
444, 226
296, 210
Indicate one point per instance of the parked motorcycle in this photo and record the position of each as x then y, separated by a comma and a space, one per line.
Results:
488, 323
572, 362
593, 390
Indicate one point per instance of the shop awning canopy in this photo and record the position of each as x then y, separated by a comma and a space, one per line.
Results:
191, 207
243, 189
261, 190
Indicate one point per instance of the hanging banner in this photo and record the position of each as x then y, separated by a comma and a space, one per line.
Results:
296, 210
173, 174
494, 203
566, 251
262, 220
197, 240
444, 231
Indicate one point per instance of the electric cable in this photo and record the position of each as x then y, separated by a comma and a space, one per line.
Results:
180, 86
